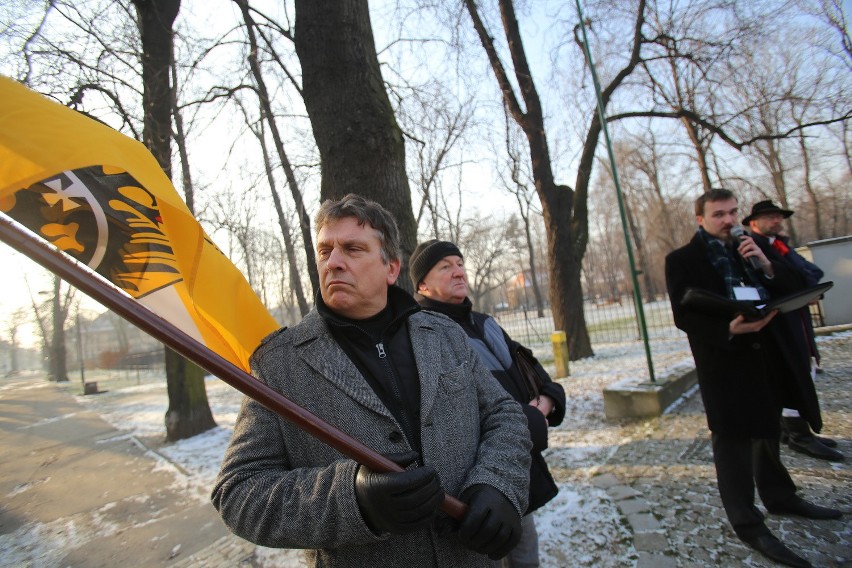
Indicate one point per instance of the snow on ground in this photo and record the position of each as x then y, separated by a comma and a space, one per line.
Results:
581, 525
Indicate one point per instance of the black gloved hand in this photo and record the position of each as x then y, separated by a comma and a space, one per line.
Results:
398, 502
492, 525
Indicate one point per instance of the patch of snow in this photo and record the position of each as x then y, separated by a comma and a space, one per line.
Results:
46, 421
20, 488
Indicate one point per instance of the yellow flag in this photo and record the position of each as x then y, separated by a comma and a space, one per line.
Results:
101, 197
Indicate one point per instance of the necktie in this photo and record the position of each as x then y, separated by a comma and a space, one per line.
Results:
780, 246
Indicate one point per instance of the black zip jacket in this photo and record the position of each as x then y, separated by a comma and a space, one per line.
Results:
380, 348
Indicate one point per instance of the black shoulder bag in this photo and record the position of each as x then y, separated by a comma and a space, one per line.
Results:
527, 362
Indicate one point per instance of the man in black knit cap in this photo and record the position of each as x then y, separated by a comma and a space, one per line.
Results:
436, 269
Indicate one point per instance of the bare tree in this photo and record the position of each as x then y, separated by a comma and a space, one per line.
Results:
831, 12
234, 212
50, 316
667, 64
60, 306
283, 223
564, 209
360, 143
14, 322
607, 258
189, 412
120, 328
784, 96
520, 184
636, 211
727, 83
269, 118
435, 126
487, 262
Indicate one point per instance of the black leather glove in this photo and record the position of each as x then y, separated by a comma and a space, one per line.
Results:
398, 502
492, 525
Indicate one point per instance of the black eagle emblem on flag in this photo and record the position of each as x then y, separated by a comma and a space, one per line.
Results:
105, 219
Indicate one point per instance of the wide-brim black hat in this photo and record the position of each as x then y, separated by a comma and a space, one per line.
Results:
764, 207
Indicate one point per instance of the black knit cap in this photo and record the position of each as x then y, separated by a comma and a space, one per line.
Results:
426, 255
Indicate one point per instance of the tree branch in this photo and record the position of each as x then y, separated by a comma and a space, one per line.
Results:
487, 42
694, 117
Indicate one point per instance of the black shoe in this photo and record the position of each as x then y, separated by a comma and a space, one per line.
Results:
811, 446
800, 507
827, 442
774, 549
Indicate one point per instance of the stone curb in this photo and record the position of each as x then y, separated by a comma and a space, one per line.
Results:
627, 399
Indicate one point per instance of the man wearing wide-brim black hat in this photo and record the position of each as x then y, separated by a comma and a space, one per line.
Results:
766, 223
765, 208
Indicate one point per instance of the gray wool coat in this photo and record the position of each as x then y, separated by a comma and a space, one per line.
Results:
280, 487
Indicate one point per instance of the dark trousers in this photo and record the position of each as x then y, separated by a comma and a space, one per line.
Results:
742, 464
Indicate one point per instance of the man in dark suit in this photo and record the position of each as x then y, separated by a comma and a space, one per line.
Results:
744, 372
766, 223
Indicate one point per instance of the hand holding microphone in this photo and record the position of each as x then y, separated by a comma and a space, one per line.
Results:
750, 252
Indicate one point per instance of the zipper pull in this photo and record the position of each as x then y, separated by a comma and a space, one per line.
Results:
380, 347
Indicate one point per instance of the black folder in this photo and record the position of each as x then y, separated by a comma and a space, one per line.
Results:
716, 304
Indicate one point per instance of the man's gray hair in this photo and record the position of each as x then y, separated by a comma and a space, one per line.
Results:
365, 211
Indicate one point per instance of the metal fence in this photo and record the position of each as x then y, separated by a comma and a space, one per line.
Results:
614, 321
611, 322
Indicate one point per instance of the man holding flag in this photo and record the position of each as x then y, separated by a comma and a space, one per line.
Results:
403, 381
80, 198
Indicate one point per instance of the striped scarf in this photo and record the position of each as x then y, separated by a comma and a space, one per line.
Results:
730, 265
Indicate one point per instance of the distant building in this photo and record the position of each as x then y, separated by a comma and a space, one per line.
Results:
110, 342
519, 290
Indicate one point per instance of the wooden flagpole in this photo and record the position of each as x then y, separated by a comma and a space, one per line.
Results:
95, 286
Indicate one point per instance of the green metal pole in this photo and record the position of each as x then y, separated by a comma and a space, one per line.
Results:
637, 295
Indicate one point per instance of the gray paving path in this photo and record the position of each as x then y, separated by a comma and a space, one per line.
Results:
68, 477
663, 482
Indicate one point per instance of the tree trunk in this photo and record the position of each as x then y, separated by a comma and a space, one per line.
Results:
189, 412
539, 302
290, 250
566, 264
360, 143
565, 211
268, 116
700, 153
13, 347
58, 370
180, 140
809, 188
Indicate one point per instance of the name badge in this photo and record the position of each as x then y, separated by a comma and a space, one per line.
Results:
746, 293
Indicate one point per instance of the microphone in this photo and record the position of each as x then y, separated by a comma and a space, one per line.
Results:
738, 233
